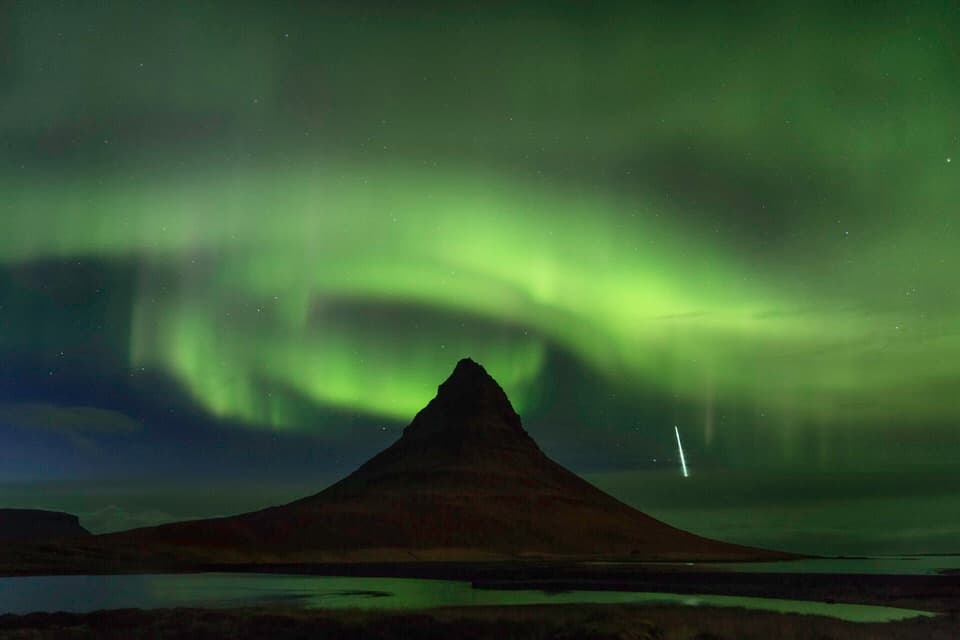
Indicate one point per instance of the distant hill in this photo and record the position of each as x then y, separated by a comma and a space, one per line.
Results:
464, 482
36, 525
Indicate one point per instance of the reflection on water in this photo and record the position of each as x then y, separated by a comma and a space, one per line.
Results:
89, 593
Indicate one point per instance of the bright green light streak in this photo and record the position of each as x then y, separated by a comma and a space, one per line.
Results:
683, 459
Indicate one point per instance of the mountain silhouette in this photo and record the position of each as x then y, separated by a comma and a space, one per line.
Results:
37, 525
464, 481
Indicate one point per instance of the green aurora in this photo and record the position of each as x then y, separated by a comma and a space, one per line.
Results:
597, 275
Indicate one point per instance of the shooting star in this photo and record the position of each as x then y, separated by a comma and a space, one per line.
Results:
683, 460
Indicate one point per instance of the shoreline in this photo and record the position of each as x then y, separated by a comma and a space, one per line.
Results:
546, 622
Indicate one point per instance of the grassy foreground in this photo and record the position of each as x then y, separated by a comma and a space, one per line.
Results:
599, 622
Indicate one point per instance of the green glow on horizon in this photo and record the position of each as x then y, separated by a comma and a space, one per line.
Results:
249, 371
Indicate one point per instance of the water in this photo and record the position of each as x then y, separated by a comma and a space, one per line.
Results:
877, 565
888, 565
90, 593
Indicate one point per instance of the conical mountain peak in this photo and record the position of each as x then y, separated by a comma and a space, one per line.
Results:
470, 400
468, 369
471, 388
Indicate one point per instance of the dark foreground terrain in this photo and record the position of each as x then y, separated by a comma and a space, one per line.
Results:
500, 623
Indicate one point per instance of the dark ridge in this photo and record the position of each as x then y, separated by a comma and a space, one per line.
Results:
37, 525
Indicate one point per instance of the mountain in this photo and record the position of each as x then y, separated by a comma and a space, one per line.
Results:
37, 525
464, 481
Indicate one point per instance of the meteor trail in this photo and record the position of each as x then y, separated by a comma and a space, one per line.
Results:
683, 460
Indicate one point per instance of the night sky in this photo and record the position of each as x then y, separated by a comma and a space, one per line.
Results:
242, 243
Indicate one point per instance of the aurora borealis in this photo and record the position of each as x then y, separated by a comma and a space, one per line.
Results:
260, 229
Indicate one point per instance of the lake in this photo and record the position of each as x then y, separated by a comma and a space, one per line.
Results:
90, 593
